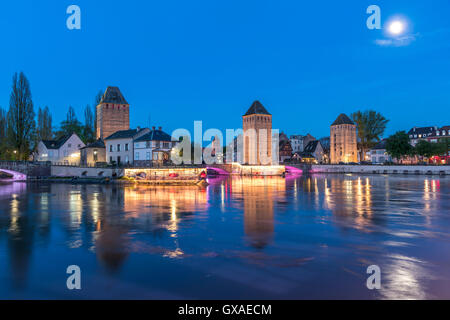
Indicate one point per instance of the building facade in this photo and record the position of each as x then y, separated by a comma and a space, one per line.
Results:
93, 154
285, 148
113, 113
299, 142
257, 127
314, 152
65, 150
423, 133
343, 143
120, 146
153, 148
378, 154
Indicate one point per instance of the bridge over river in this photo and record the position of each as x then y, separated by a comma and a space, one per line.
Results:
24, 170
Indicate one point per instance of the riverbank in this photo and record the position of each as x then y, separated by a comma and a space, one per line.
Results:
122, 181
381, 169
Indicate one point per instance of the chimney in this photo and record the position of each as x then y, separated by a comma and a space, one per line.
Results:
138, 129
160, 128
153, 128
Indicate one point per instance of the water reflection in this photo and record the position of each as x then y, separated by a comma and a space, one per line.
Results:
337, 222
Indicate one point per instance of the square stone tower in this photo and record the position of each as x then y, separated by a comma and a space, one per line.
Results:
113, 113
257, 127
343, 143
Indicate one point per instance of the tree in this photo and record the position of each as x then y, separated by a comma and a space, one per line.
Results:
20, 118
44, 124
425, 149
370, 127
441, 148
88, 129
70, 125
3, 131
398, 145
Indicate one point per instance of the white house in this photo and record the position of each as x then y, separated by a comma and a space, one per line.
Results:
299, 142
153, 148
65, 150
120, 147
378, 154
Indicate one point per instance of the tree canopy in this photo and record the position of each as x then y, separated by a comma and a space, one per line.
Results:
370, 128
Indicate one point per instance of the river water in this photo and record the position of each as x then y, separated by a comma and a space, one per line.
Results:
239, 238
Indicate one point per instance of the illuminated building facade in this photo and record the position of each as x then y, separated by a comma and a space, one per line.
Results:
113, 113
343, 143
257, 127
65, 150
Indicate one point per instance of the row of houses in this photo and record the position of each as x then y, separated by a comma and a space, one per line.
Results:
139, 147
306, 148
378, 154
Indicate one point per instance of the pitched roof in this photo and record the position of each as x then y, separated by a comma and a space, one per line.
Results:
155, 135
342, 119
97, 144
56, 144
422, 130
257, 108
311, 146
113, 95
123, 134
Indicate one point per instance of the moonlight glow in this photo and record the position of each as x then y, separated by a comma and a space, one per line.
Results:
396, 27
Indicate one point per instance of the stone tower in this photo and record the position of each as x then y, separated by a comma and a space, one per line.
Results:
343, 147
113, 113
257, 127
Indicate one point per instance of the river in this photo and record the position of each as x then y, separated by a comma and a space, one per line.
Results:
310, 237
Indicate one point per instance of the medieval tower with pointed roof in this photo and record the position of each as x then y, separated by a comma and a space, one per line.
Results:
343, 143
257, 127
113, 113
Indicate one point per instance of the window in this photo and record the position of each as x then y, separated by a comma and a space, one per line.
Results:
69, 145
127, 159
136, 156
148, 156
111, 148
118, 148
110, 160
95, 155
126, 146
166, 145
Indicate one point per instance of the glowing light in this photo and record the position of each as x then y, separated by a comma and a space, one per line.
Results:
396, 27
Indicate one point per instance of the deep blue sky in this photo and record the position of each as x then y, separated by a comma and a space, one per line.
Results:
180, 61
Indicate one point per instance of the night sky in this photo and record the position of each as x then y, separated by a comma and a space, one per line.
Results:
180, 61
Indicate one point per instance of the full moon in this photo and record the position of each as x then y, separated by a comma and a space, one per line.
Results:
396, 27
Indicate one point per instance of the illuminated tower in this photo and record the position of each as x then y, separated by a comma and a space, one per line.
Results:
343, 146
113, 113
257, 126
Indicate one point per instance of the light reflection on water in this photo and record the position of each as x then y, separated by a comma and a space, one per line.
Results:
304, 237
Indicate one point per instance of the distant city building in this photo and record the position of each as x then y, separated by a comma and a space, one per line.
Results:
120, 145
113, 113
343, 143
314, 152
257, 127
299, 142
93, 153
285, 148
423, 133
153, 148
378, 154
65, 150
439, 134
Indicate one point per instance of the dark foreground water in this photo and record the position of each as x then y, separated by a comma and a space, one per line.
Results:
309, 237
